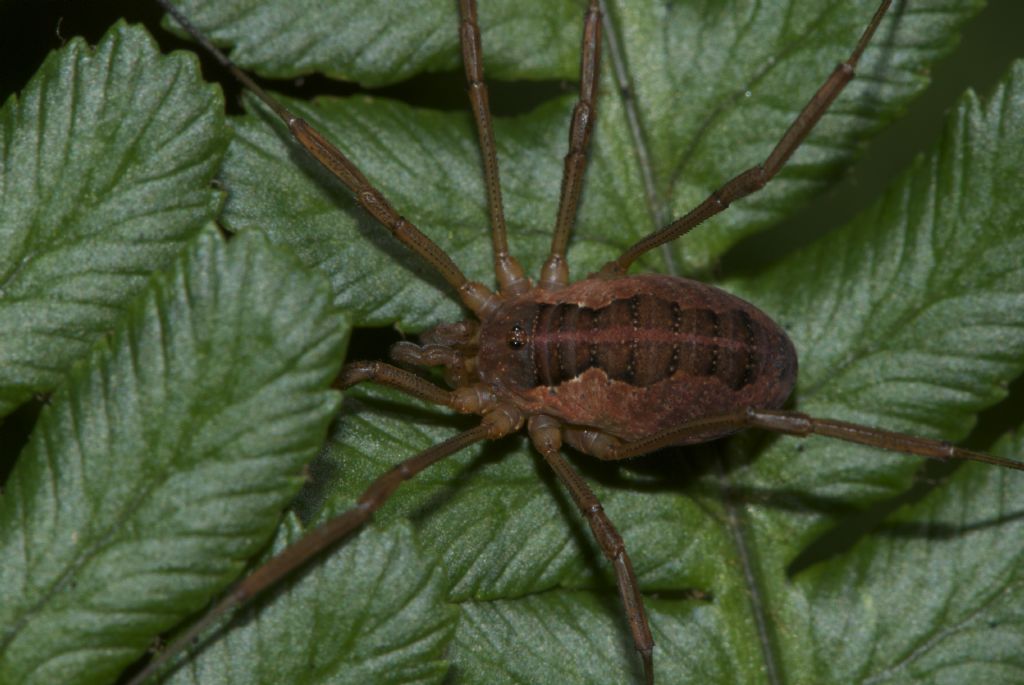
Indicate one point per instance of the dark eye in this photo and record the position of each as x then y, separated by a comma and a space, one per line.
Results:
517, 337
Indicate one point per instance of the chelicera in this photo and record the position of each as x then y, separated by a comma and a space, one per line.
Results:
614, 365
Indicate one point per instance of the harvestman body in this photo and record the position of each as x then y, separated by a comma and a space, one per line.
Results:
613, 365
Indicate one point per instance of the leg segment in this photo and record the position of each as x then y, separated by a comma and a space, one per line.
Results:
545, 433
496, 424
393, 377
507, 270
755, 178
468, 399
456, 371
474, 295
790, 423
555, 272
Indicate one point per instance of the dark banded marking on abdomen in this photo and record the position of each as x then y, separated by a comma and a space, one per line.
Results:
643, 340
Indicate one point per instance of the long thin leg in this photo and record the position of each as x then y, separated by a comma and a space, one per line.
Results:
555, 272
755, 178
299, 553
545, 433
476, 296
507, 270
791, 423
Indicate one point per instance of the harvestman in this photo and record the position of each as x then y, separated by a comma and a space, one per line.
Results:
614, 365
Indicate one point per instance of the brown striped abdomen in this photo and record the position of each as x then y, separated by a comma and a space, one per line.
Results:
641, 341
634, 355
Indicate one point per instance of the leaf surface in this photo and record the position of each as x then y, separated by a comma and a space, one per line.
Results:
163, 462
761, 559
385, 42
395, 620
106, 161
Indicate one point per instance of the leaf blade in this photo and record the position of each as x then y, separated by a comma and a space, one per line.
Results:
106, 163
910, 302
163, 463
395, 629
388, 42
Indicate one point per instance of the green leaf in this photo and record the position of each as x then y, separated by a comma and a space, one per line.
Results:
918, 298
385, 42
106, 160
761, 559
395, 617
936, 593
163, 462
